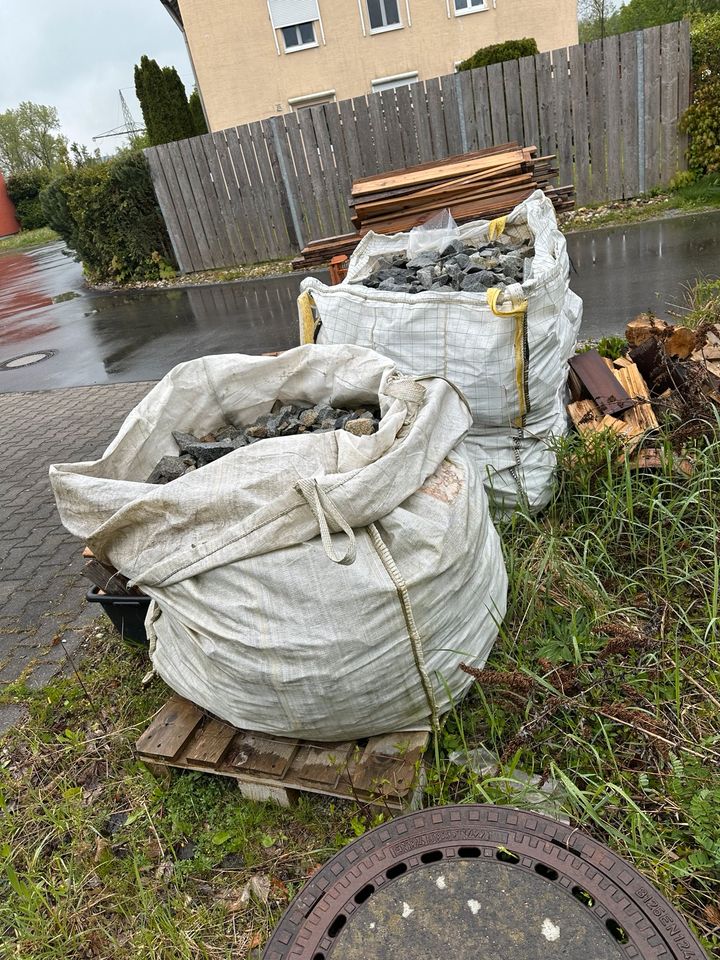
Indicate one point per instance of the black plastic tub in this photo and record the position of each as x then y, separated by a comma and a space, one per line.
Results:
126, 613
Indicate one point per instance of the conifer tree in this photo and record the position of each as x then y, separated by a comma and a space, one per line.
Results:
163, 101
197, 113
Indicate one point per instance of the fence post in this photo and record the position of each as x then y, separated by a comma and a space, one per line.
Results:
461, 111
639, 40
289, 191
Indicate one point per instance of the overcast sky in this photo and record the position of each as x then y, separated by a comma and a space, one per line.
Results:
76, 54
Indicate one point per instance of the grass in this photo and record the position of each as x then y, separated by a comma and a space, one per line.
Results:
606, 678
604, 683
28, 238
98, 859
703, 304
250, 271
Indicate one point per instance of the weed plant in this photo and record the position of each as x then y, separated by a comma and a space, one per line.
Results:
605, 682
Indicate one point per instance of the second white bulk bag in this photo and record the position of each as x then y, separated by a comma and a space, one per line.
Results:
506, 350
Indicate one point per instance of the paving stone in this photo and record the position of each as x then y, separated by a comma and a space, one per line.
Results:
20, 661
41, 675
8, 588
41, 588
11, 715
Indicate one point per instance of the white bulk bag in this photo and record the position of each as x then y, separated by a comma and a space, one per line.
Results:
508, 353
320, 585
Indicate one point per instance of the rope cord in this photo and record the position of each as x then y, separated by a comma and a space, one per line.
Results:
413, 635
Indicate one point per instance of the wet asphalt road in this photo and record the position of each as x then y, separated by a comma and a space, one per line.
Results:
101, 338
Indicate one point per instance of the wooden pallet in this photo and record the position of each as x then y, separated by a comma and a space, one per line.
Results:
384, 771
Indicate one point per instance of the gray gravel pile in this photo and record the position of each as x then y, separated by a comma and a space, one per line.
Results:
284, 420
457, 266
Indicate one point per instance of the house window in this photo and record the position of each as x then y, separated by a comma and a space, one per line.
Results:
384, 15
312, 100
469, 6
299, 35
399, 80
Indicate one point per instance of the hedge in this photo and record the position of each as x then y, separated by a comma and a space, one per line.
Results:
701, 121
24, 191
498, 52
107, 213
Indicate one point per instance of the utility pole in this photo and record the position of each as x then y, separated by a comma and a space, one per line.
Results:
129, 129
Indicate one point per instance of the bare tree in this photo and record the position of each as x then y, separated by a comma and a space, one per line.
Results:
593, 16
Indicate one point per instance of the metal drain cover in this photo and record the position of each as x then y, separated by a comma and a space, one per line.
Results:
26, 360
479, 883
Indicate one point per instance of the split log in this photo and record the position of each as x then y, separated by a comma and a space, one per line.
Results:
628, 432
709, 346
589, 419
643, 327
641, 416
586, 415
659, 371
681, 343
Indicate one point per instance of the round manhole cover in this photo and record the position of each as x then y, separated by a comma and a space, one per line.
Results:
26, 360
479, 882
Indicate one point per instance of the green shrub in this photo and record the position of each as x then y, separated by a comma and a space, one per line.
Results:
24, 191
107, 213
701, 121
705, 39
497, 52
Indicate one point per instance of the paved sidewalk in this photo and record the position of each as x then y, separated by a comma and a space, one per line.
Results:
41, 588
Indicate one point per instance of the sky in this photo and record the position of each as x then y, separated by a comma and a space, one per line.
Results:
76, 54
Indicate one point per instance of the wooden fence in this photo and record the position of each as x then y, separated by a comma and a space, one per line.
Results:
608, 109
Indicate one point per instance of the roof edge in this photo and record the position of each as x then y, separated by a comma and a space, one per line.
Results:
173, 8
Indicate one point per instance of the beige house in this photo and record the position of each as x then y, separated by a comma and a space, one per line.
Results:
256, 58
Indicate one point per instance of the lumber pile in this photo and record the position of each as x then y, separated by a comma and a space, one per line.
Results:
319, 252
474, 186
669, 374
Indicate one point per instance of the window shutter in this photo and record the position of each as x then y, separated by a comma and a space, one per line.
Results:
285, 13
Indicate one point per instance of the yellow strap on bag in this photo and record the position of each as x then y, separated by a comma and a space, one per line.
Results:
496, 228
518, 310
306, 317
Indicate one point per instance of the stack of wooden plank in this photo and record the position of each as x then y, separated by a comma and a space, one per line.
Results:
474, 186
318, 252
